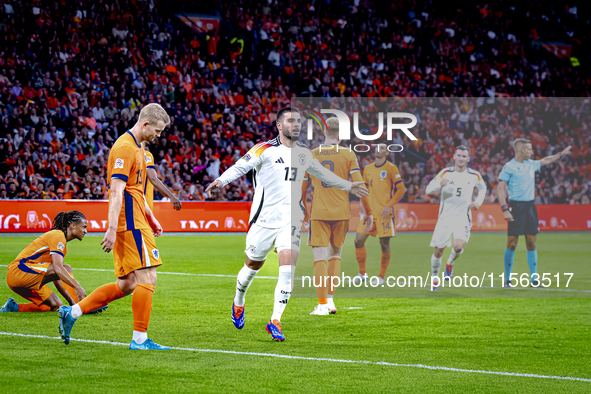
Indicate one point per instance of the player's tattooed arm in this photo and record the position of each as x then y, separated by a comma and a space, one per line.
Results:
161, 187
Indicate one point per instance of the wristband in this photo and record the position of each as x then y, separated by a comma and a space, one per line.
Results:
505, 208
561, 155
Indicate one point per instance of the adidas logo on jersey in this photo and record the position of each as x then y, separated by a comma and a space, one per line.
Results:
280, 160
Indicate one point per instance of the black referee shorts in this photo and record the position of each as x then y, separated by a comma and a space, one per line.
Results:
525, 218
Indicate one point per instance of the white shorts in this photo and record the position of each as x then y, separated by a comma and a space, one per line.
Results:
260, 241
444, 231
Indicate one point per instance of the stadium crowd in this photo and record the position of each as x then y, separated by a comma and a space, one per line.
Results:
74, 75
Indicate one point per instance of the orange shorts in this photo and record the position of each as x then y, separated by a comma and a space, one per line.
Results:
380, 228
27, 284
134, 250
323, 232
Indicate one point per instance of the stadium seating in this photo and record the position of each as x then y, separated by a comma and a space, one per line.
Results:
74, 75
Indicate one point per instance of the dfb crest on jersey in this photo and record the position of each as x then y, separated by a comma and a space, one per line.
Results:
383, 174
155, 253
302, 159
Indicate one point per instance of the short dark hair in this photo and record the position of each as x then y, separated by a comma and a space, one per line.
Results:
520, 141
462, 147
282, 111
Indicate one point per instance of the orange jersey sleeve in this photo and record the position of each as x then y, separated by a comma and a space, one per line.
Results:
148, 187
128, 163
397, 183
36, 257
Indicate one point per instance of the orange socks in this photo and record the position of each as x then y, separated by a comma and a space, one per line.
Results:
334, 269
30, 307
320, 274
141, 304
361, 255
384, 262
100, 297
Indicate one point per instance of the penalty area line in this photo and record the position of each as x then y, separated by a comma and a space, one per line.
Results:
331, 360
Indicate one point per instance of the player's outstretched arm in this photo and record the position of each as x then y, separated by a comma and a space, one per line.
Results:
551, 159
328, 177
115, 204
57, 262
246, 163
161, 187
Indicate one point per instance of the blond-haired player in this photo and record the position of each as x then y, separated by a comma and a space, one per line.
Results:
386, 188
130, 234
330, 215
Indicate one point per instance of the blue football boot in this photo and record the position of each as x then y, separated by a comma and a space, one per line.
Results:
66, 322
274, 328
449, 271
238, 316
148, 344
10, 306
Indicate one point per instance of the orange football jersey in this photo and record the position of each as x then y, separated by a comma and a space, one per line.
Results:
330, 203
381, 182
128, 162
36, 257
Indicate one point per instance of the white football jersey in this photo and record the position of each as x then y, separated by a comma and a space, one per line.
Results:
456, 196
278, 179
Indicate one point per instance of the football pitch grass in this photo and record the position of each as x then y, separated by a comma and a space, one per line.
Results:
392, 343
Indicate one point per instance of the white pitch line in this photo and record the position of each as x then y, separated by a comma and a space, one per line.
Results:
174, 273
332, 360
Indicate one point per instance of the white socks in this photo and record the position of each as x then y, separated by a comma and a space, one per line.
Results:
454, 256
282, 290
243, 281
76, 311
330, 300
139, 337
435, 266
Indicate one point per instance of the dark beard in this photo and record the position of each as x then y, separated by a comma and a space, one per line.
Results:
290, 136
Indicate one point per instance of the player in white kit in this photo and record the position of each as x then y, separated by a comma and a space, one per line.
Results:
457, 185
280, 165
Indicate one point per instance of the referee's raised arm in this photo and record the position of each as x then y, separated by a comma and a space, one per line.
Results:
551, 159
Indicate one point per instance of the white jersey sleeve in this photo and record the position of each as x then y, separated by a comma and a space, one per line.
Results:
249, 161
328, 177
435, 184
481, 186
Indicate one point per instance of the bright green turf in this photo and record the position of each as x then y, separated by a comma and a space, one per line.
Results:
548, 336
